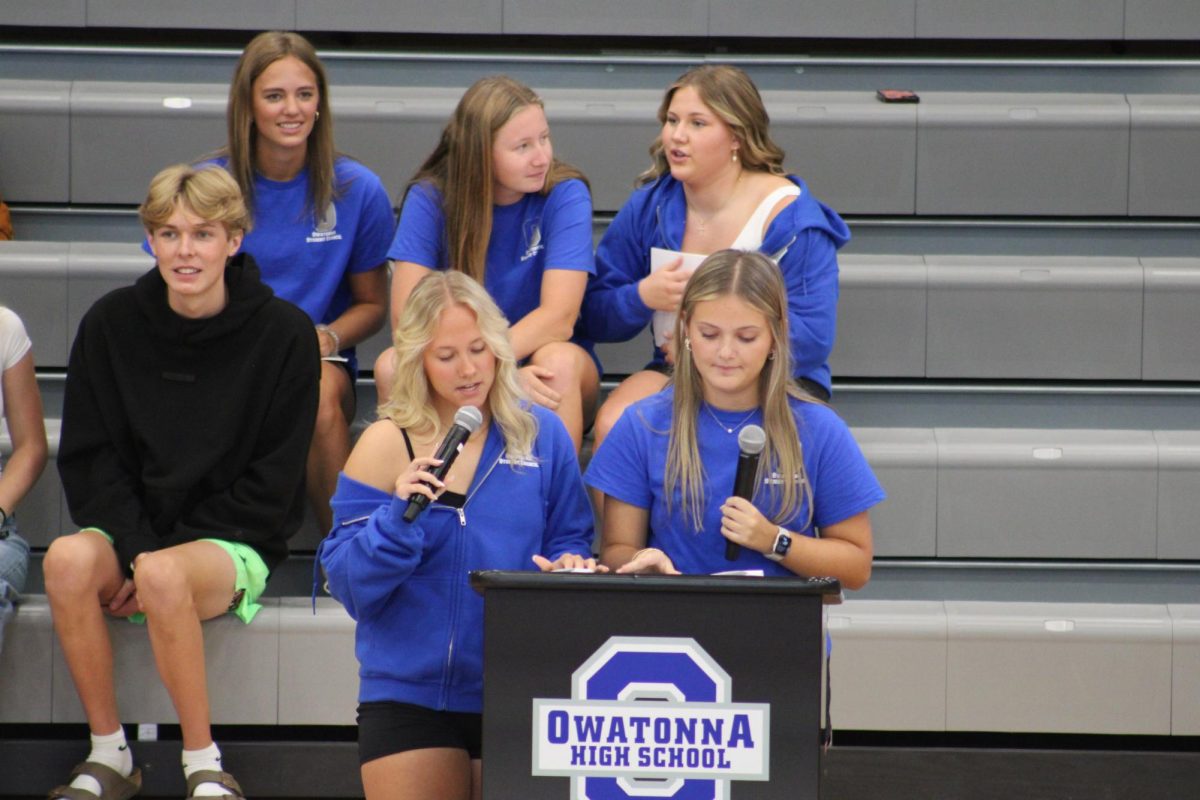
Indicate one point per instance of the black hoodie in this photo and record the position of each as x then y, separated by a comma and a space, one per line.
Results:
178, 429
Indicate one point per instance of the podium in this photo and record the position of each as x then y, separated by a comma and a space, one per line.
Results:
691, 687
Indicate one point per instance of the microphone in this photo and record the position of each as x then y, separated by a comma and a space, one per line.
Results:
751, 442
466, 421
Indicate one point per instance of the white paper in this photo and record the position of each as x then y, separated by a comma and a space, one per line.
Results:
664, 321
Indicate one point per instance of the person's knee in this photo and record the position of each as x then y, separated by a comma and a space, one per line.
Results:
606, 417
330, 416
69, 566
161, 583
385, 371
564, 359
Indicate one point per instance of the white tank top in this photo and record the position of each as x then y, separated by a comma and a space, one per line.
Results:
751, 237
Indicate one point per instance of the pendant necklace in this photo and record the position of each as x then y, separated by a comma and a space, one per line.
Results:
725, 427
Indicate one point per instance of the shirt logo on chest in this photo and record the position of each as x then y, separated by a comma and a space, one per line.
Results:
535, 244
326, 227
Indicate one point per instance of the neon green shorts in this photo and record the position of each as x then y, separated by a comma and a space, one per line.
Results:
249, 585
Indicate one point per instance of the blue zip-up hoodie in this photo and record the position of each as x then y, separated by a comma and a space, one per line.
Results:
419, 637
804, 239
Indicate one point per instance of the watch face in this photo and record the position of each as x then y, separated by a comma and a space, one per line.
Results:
782, 543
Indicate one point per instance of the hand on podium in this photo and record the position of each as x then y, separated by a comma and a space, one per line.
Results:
649, 560
568, 562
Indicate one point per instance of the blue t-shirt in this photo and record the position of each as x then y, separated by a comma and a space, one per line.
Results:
530, 236
631, 463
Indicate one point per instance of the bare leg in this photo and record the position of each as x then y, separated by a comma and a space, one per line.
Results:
385, 373
178, 588
436, 773
576, 380
82, 574
629, 391
331, 441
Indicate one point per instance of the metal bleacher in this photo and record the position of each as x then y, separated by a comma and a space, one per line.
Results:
1016, 348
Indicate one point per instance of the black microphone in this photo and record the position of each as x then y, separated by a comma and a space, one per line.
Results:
751, 442
466, 421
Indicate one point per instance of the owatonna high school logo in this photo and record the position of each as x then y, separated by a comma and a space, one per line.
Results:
651, 717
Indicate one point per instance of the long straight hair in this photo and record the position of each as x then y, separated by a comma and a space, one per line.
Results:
409, 404
461, 168
263, 51
756, 280
733, 97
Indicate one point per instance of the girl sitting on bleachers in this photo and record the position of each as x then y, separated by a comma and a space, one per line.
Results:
322, 224
21, 408
493, 202
717, 181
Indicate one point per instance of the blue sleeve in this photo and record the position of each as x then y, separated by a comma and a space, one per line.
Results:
375, 224
569, 518
843, 484
420, 235
612, 309
620, 466
810, 270
568, 222
370, 551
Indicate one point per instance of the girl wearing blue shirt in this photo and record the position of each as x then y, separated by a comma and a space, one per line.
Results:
492, 201
667, 469
513, 494
717, 181
322, 223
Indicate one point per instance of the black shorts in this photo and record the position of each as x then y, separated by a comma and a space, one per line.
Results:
386, 728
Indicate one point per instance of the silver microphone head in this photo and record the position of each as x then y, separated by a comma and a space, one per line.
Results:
751, 440
471, 418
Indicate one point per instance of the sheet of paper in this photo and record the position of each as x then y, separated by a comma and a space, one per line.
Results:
664, 321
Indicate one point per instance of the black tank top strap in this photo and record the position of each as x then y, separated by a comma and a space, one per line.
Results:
408, 444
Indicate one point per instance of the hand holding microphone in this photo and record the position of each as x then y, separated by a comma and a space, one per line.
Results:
751, 441
467, 420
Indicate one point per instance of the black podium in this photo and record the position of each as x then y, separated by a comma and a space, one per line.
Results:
605, 687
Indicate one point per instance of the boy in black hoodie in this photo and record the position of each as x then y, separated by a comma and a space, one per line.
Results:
189, 407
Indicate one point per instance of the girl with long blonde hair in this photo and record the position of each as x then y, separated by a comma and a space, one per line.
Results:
513, 494
667, 468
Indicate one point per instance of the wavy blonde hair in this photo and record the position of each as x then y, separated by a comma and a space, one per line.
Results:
409, 404
263, 51
733, 97
756, 280
208, 192
461, 169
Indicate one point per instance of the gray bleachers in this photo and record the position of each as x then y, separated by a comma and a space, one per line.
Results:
1172, 326
1104, 20
983, 153
122, 134
877, 19
1162, 19
1164, 136
881, 317
34, 119
1022, 154
1178, 501
905, 460
1020, 19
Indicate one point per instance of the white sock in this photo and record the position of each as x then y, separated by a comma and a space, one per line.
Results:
111, 750
204, 758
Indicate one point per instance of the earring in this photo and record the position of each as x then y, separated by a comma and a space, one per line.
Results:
687, 344
316, 115
735, 156
771, 356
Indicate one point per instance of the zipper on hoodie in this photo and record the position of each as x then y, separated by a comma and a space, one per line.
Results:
461, 549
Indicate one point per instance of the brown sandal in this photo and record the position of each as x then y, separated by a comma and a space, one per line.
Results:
113, 785
212, 776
